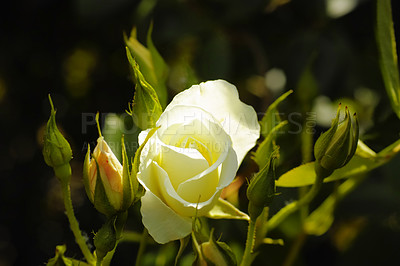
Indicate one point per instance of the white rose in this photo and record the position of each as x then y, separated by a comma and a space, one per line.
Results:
203, 136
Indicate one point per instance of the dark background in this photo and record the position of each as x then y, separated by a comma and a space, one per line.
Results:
75, 51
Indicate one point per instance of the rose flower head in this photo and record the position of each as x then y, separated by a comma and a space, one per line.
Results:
203, 136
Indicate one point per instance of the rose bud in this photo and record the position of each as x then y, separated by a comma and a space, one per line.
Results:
107, 182
56, 150
336, 147
261, 190
216, 253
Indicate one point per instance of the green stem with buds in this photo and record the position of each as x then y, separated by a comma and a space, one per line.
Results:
74, 225
294, 206
251, 232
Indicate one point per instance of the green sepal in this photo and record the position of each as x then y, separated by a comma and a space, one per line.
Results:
138, 190
225, 210
354, 144
146, 108
86, 174
153, 66
338, 150
105, 239
127, 188
56, 150
100, 199
324, 140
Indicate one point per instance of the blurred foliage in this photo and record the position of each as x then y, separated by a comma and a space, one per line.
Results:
323, 50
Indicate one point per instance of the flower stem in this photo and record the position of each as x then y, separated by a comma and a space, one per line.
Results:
119, 227
247, 259
261, 227
74, 225
142, 247
294, 206
295, 249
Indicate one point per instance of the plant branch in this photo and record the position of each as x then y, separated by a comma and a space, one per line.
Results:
74, 225
247, 259
142, 247
294, 206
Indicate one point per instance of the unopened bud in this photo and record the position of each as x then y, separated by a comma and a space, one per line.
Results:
216, 253
261, 190
56, 150
107, 182
336, 147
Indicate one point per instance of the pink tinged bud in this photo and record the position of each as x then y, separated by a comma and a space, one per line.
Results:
103, 179
110, 167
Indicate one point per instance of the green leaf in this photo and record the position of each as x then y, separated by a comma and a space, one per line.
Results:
307, 87
387, 50
153, 66
321, 219
160, 69
363, 161
263, 152
225, 210
146, 108
271, 117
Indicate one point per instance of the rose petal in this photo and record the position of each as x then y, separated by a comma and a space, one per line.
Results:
153, 178
228, 170
163, 223
221, 99
197, 124
199, 189
182, 164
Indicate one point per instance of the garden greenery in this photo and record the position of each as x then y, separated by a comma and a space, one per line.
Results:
190, 151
